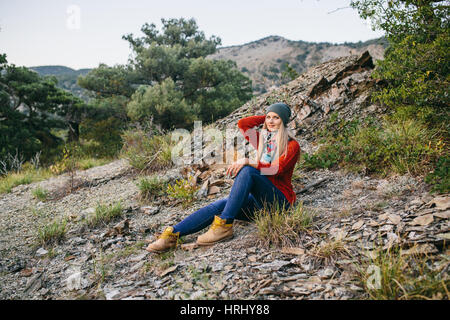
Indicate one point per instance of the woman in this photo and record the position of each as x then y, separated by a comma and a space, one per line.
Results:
256, 184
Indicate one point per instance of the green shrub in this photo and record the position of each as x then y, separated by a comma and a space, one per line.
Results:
104, 214
394, 146
327, 157
415, 66
399, 147
162, 101
53, 232
394, 274
146, 151
280, 226
411, 146
151, 187
182, 189
40, 193
439, 178
101, 138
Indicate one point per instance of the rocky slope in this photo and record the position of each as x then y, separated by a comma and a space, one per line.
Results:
263, 60
353, 213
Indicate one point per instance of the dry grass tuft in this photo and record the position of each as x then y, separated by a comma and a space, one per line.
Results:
330, 251
281, 227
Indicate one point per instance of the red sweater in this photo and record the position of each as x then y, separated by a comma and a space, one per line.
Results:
286, 163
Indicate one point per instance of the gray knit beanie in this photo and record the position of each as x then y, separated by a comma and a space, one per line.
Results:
282, 109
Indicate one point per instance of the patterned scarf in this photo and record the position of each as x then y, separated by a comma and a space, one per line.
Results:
269, 147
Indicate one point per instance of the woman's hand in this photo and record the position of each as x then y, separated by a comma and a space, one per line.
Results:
234, 168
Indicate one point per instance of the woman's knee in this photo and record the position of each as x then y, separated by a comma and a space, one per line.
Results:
247, 170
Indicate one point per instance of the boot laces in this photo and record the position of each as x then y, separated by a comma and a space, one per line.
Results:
219, 223
167, 234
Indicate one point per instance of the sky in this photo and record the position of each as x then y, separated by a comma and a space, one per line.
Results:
84, 33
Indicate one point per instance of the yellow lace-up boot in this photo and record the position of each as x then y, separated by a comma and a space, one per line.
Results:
218, 231
165, 241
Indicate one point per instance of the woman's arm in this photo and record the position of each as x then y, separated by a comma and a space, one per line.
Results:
236, 166
247, 125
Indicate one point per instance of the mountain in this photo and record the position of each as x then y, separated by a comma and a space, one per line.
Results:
67, 78
264, 60
58, 70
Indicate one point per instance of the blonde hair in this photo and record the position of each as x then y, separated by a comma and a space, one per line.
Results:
282, 140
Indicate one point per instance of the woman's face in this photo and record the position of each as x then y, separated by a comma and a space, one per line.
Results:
273, 121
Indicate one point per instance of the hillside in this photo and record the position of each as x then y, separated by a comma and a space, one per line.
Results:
67, 78
263, 60
353, 215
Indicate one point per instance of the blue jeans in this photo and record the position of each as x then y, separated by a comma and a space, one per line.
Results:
250, 192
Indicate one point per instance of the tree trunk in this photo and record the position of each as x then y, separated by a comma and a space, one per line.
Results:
74, 132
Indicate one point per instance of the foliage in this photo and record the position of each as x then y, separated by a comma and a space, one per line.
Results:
439, 178
104, 214
416, 63
280, 226
53, 232
40, 193
101, 128
67, 79
401, 275
323, 159
214, 88
389, 147
423, 87
162, 101
145, 150
101, 138
170, 79
68, 162
30, 108
289, 72
183, 189
151, 187
109, 81
415, 78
